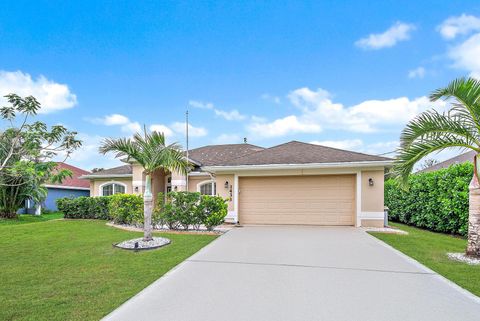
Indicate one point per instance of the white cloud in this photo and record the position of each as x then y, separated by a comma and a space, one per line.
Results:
126, 125
227, 139
52, 96
114, 119
348, 144
416, 73
466, 55
230, 115
459, 25
280, 127
193, 131
271, 98
131, 128
317, 111
88, 157
399, 31
200, 104
161, 129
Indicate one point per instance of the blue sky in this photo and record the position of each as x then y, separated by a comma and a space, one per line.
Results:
347, 74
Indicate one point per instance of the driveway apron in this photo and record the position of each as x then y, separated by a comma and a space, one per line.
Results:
299, 273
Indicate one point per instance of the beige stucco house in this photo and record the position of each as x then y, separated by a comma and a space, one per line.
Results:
291, 183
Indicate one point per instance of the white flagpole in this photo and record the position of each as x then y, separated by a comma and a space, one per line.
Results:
186, 128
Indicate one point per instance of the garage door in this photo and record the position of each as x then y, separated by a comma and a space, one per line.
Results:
306, 200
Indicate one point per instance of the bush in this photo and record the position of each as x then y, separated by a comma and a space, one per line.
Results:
181, 209
189, 209
126, 209
437, 201
84, 207
213, 210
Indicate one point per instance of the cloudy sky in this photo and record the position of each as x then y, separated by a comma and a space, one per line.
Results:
344, 74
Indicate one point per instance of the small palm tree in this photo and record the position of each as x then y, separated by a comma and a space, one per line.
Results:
458, 127
150, 151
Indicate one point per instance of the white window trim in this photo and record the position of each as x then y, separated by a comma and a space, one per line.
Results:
211, 181
100, 188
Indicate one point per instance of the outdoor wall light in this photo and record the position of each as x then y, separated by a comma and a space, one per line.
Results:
136, 188
370, 181
226, 184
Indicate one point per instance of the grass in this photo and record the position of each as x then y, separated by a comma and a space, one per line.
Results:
28, 218
431, 250
68, 269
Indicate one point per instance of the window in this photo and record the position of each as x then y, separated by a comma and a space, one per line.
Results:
207, 188
112, 188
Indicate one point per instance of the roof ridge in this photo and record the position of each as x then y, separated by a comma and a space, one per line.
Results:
339, 149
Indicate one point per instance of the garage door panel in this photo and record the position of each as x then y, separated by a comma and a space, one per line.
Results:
310, 200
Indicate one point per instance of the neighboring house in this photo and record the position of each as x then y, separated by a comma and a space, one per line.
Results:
70, 187
292, 183
462, 158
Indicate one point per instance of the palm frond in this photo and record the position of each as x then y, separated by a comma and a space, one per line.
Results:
466, 97
409, 155
150, 150
430, 124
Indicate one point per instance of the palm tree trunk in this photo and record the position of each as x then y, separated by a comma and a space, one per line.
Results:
147, 210
473, 246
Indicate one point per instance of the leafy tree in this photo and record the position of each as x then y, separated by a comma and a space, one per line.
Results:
26, 150
432, 131
151, 151
429, 162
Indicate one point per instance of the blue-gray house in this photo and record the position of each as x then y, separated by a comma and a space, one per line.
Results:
70, 187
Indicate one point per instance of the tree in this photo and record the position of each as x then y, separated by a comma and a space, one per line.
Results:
432, 131
429, 162
152, 152
26, 150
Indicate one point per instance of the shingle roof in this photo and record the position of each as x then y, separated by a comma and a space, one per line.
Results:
462, 158
220, 154
295, 152
74, 181
119, 170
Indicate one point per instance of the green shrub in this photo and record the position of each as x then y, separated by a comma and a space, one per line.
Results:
126, 209
213, 210
181, 210
84, 207
437, 201
190, 209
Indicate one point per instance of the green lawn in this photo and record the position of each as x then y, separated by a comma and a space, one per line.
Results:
28, 218
431, 250
68, 269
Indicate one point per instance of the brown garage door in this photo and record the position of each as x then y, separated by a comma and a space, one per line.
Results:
306, 200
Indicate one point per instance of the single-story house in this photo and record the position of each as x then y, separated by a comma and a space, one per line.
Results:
70, 187
459, 159
291, 183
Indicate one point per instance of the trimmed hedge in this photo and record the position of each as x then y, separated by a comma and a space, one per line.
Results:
190, 210
181, 210
84, 207
126, 209
437, 200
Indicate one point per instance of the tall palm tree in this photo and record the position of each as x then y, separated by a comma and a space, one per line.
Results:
458, 127
151, 151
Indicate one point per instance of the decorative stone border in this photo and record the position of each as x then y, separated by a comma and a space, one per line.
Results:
139, 244
389, 230
461, 257
217, 231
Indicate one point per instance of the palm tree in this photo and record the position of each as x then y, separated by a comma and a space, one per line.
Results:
152, 152
459, 127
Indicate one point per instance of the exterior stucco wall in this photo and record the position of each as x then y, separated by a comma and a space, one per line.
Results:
96, 183
372, 196
226, 193
193, 181
138, 179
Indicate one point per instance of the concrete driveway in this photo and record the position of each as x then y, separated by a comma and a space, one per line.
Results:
299, 273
